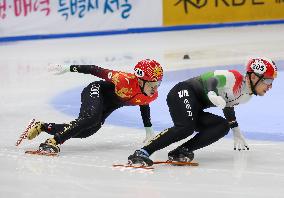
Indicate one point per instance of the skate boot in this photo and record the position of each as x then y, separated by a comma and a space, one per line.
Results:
35, 130
181, 154
49, 146
140, 157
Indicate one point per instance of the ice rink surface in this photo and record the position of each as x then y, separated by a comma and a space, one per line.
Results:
84, 167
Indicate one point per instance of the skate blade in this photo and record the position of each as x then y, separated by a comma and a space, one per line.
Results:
37, 152
133, 166
176, 163
24, 134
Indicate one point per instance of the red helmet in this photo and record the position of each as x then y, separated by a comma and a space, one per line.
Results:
262, 67
149, 70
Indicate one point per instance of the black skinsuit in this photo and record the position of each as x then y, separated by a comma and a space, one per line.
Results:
98, 101
186, 102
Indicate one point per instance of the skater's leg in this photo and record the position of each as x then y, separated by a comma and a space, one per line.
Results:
90, 116
95, 111
53, 128
210, 129
184, 108
37, 127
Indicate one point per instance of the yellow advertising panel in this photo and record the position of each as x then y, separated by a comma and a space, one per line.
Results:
187, 12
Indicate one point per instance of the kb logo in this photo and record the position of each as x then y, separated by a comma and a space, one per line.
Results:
197, 4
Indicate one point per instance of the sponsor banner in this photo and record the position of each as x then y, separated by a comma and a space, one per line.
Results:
33, 17
187, 12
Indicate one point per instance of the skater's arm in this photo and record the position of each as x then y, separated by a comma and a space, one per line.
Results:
229, 113
106, 74
146, 117
212, 84
239, 140
94, 70
145, 113
218, 101
100, 72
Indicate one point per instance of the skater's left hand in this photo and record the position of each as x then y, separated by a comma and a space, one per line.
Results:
239, 140
149, 134
58, 69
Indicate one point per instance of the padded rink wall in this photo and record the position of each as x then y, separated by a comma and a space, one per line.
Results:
44, 19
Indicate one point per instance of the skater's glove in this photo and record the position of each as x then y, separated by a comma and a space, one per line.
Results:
149, 134
216, 100
59, 69
239, 140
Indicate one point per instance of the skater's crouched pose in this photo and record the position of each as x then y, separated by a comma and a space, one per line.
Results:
100, 98
187, 101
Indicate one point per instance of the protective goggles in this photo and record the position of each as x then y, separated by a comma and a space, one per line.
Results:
267, 81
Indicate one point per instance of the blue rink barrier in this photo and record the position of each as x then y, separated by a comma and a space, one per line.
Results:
136, 30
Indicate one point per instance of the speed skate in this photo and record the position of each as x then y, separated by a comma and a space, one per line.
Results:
167, 162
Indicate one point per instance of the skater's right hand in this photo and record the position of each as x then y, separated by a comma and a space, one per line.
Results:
216, 100
58, 69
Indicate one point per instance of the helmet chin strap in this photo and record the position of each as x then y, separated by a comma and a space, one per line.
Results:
252, 86
142, 87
